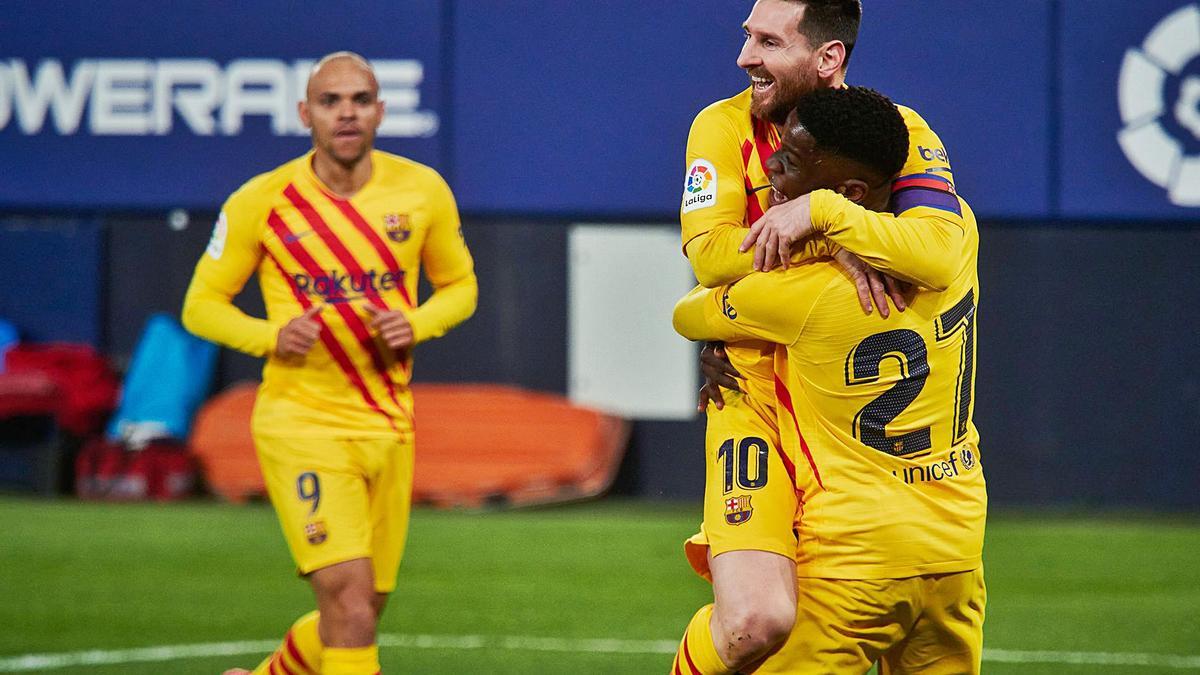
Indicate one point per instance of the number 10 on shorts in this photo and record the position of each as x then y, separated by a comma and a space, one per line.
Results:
750, 454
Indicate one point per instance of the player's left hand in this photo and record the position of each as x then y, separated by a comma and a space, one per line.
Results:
773, 234
718, 372
392, 326
872, 285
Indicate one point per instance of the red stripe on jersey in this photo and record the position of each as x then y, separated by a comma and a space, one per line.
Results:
385, 253
289, 643
687, 655
766, 139
785, 399
274, 664
335, 348
283, 666
352, 319
754, 210
675, 665
930, 183
310, 214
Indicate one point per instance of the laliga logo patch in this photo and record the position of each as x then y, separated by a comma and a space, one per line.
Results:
397, 227
315, 532
1159, 96
738, 509
216, 243
700, 186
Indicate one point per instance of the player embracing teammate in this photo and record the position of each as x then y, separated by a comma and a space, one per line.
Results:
844, 501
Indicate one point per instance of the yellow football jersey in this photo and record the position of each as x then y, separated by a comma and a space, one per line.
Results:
724, 194
311, 247
875, 414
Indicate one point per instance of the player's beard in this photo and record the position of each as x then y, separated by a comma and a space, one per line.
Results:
787, 93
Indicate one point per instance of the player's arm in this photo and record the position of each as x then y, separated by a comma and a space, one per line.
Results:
716, 253
233, 253
771, 307
449, 268
926, 244
713, 215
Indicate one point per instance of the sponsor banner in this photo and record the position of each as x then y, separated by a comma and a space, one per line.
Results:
109, 105
1130, 110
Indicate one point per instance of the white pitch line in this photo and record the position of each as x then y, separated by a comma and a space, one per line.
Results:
54, 661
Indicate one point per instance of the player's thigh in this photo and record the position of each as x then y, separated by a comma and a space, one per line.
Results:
390, 505
947, 638
319, 492
842, 626
749, 498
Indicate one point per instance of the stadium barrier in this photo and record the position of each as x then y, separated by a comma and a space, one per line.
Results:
477, 445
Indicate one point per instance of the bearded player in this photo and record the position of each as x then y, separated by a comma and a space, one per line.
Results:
792, 47
875, 418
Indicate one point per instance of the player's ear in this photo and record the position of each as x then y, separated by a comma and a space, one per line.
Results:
853, 189
381, 110
831, 59
302, 108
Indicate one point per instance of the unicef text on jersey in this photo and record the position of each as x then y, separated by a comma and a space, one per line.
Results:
149, 97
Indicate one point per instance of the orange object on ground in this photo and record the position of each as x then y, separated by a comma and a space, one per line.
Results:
477, 444
494, 444
221, 441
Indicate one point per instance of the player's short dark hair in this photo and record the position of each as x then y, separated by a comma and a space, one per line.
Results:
826, 20
856, 123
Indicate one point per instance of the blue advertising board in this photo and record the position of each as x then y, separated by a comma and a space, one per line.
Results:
956, 63
123, 104
1048, 109
1130, 110
588, 111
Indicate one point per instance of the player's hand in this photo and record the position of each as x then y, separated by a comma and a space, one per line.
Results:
873, 286
773, 234
392, 326
718, 372
300, 334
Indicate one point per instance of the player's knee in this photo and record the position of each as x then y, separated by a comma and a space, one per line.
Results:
354, 613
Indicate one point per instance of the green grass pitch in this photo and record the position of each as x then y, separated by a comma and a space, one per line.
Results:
78, 576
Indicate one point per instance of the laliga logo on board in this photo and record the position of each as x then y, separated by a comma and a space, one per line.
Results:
1159, 96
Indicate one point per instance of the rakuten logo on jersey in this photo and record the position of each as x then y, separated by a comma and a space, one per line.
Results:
341, 287
151, 97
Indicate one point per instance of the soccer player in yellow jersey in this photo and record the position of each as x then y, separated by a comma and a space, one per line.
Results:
337, 238
875, 416
792, 47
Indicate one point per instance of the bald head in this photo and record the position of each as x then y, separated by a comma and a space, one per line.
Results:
337, 66
342, 108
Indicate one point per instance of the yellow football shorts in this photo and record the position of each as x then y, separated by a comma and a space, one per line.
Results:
341, 499
930, 624
750, 501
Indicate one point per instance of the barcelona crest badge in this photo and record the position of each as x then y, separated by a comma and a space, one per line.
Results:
315, 532
738, 509
397, 227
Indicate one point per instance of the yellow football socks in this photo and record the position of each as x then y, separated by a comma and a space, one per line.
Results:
300, 651
351, 661
697, 654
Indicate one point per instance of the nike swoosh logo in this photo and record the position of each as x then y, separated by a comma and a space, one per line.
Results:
292, 238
